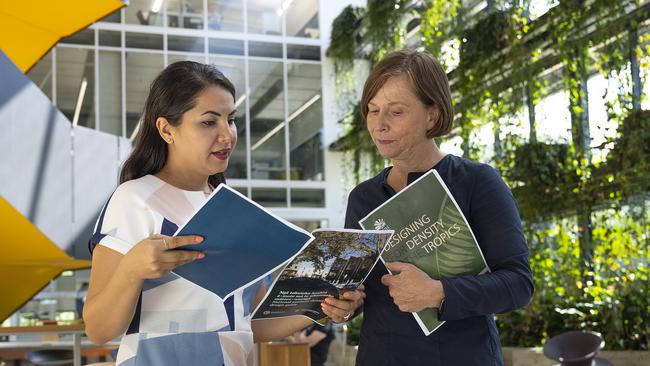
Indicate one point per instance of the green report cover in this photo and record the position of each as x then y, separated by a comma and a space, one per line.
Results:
431, 232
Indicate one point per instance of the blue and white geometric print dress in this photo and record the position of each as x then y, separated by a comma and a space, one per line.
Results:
176, 322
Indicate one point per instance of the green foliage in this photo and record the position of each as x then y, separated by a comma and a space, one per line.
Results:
354, 330
384, 30
345, 37
437, 18
586, 221
490, 35
614, 301
358, 143
542, 177
629, 159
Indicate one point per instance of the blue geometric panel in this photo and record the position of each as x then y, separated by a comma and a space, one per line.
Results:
229, 304
168, 228
13, 80
195, 349
249, 295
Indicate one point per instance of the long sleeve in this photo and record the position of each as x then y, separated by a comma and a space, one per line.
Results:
494, 218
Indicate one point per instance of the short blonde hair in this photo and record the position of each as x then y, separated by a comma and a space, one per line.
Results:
428, 81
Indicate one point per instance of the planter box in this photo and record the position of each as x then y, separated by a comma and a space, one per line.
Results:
513, 356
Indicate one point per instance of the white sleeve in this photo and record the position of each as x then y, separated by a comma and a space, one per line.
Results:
123, 222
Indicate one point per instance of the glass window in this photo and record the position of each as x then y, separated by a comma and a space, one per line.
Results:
307, 197
75, 86
450, 54
110, 38
226, 47
110, 96
182, 43
453, 145
515, 126
141, 69
262, 49
173, 57
144, 12
144, 40
482, 140
242, 190
310, 225
226, 15
537, 8
553, 118
185, 14
302, 52
114, 17
265, 16
61, 300
233, 69
305, 121
302, 19
645, 92
601, 128
86, 36
41, 74
270, 197
267, 120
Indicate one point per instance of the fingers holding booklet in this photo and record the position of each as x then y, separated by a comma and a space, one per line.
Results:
341, 310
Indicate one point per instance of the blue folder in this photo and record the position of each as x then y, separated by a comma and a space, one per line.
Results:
242, 242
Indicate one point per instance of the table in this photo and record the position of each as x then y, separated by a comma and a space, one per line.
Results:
18, 348
284, 354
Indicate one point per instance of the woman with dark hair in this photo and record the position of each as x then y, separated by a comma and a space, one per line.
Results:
186, 136
407, 103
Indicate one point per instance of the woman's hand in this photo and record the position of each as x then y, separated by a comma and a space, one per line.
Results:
153, 257
411, 288
340, 310
300, 337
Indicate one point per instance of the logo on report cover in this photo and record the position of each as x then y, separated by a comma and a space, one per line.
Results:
380, 224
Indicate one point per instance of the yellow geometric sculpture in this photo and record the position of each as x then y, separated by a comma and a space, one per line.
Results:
28, 260
29, 28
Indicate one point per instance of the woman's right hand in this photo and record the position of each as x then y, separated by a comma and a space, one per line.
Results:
153, 257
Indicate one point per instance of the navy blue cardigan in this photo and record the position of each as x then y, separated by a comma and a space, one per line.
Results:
469, 337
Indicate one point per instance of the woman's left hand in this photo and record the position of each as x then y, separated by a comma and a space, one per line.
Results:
411, 288
340, 310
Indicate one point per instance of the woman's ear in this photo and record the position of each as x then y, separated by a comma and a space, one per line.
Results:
165, 129
433, 116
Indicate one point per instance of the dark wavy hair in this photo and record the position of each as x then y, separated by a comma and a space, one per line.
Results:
172, 93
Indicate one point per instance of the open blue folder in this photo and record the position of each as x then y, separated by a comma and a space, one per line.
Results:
242, 242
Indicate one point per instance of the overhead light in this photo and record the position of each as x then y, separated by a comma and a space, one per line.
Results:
80, 99
156, 5
282, 124
268, 136
240, 100
303, 107
284, 7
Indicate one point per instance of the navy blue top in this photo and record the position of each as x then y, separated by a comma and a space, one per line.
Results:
469, 336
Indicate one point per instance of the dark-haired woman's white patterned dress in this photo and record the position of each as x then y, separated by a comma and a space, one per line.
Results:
176, 322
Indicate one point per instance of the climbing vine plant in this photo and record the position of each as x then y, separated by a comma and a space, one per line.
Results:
586, 217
